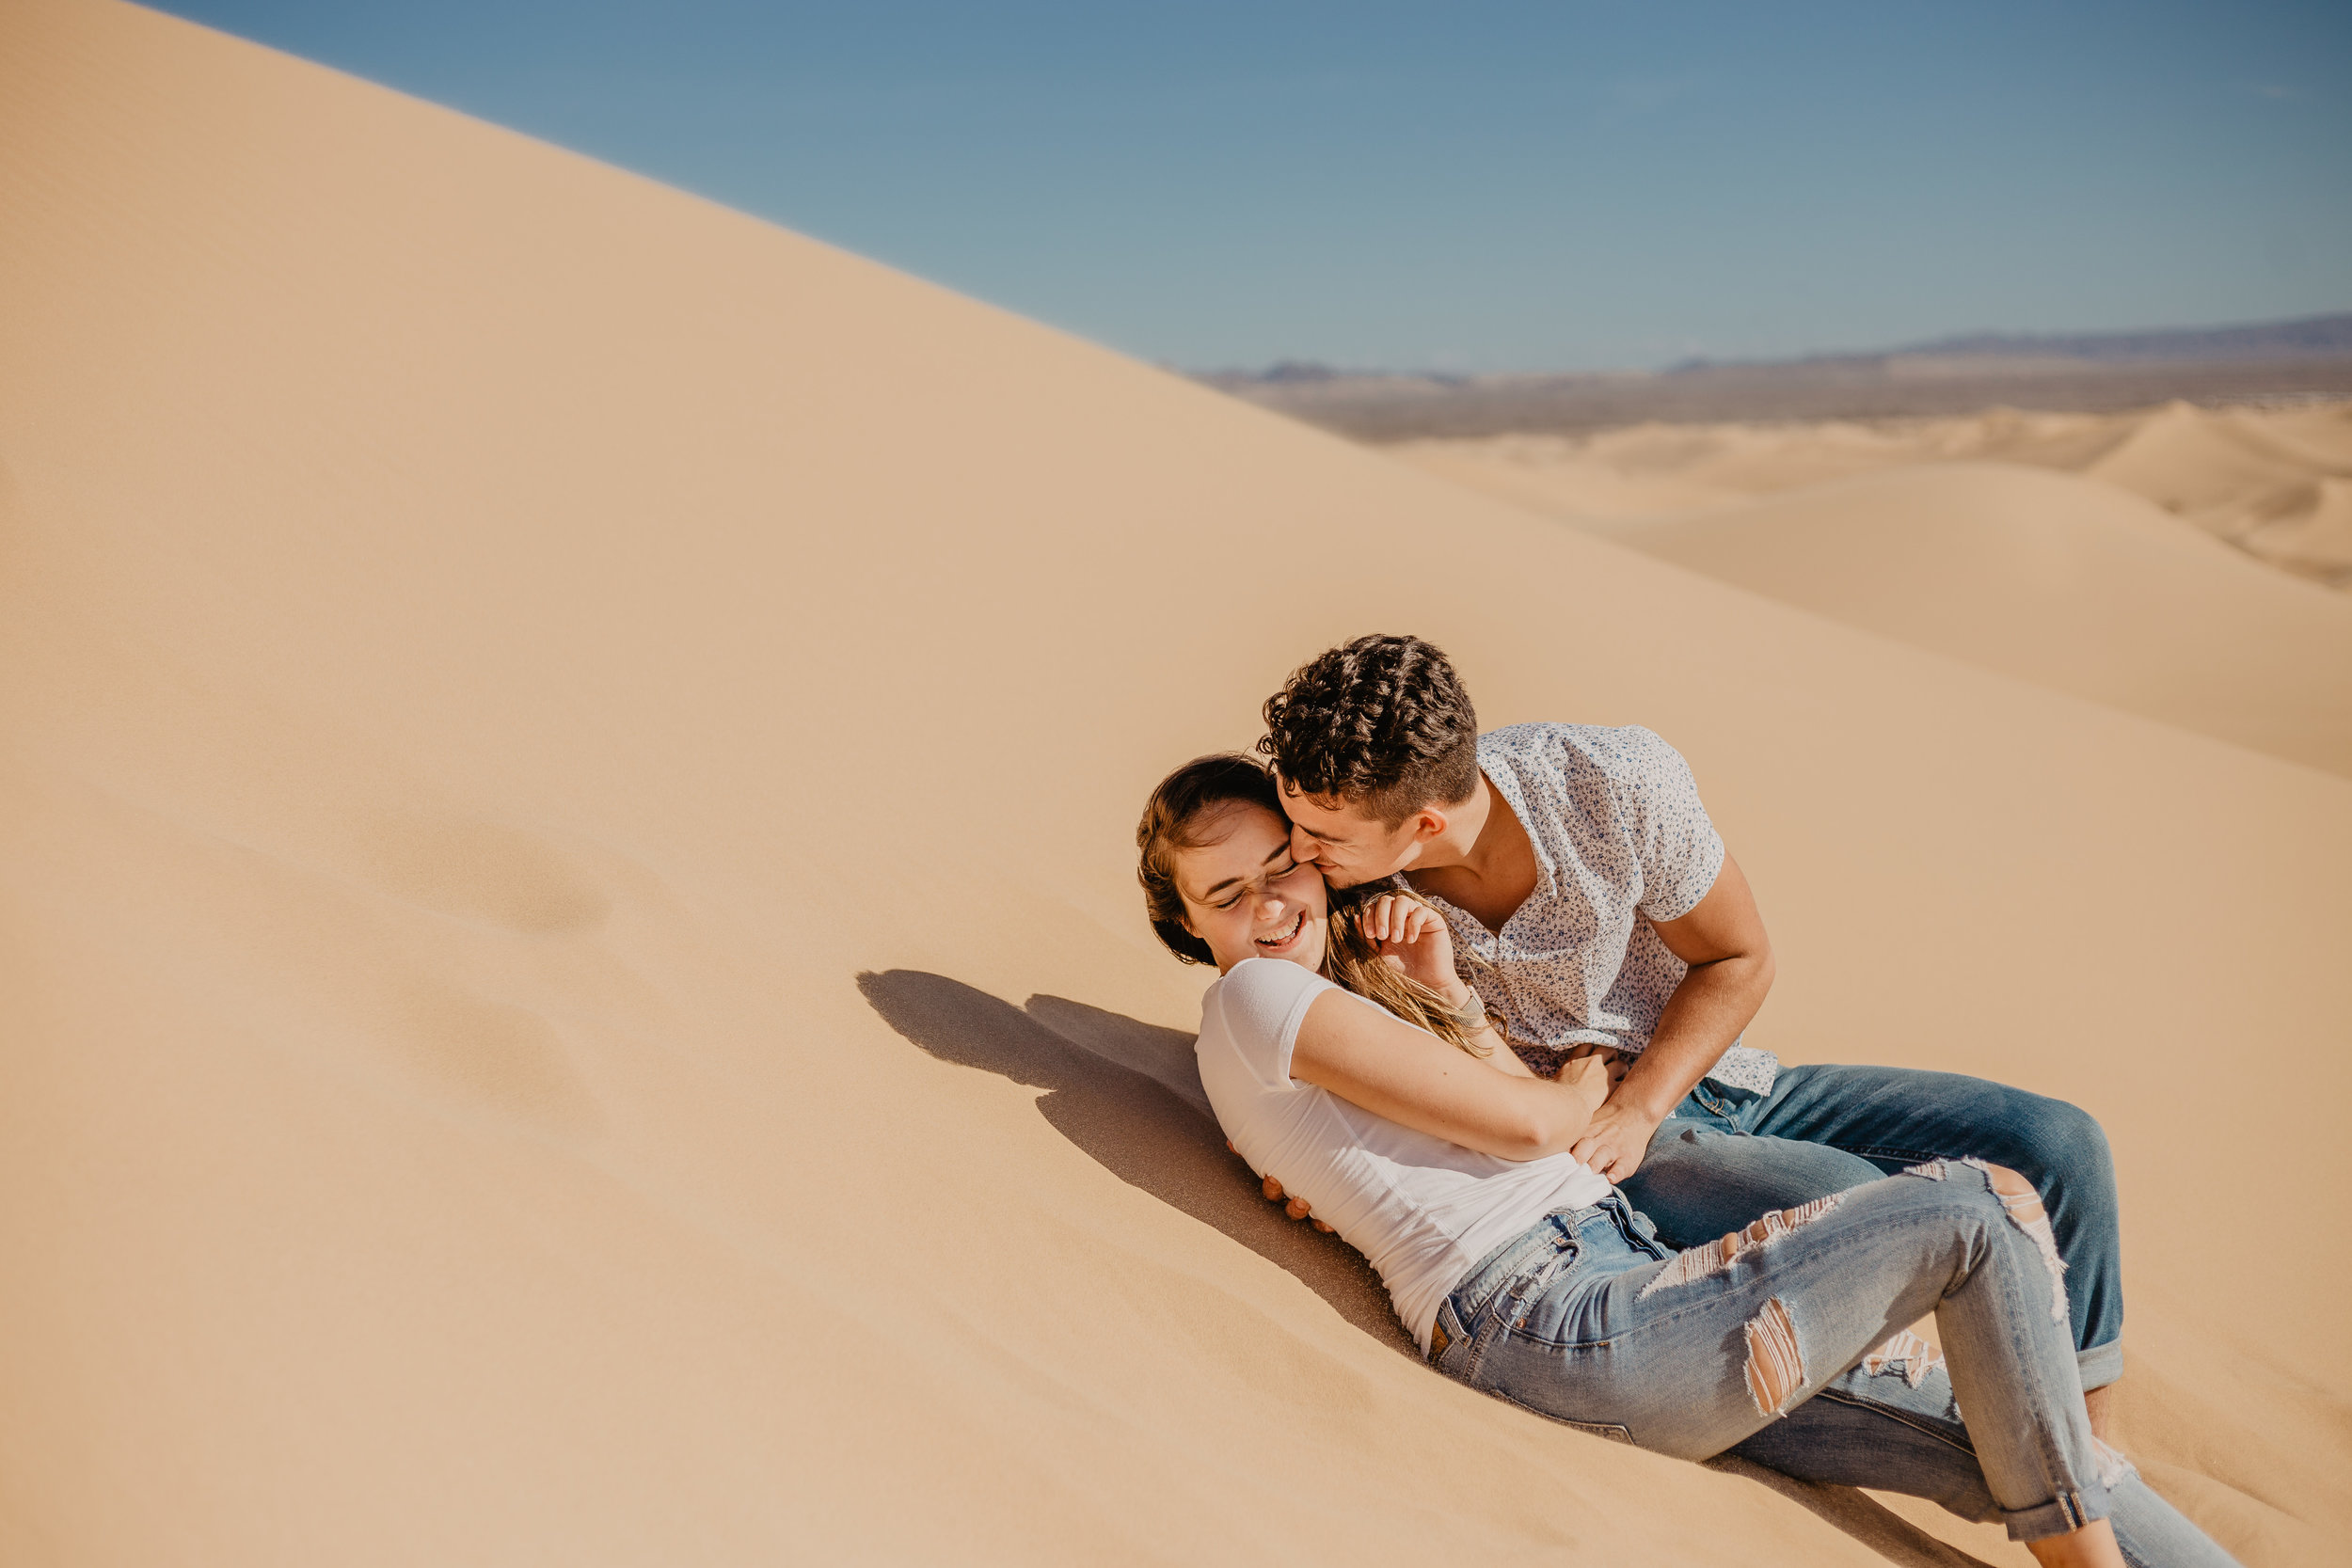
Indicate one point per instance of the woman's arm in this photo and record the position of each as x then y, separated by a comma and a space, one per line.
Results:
1413, 937
1374, 1059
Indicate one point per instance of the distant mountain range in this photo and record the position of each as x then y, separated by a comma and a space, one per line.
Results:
2088, 372
2306, 337
2288, 339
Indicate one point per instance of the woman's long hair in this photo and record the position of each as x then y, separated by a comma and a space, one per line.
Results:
1191, 798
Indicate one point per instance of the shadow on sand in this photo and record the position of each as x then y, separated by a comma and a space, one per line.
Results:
1127, 1093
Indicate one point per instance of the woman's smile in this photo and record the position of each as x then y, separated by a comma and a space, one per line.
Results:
1280, 943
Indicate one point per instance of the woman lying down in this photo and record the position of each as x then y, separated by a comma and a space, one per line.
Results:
1346, 1061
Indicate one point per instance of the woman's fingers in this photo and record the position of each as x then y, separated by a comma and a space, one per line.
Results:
1298, 1208
1393, 917
1272, 1189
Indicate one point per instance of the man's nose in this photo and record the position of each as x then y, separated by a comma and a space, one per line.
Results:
1304, 844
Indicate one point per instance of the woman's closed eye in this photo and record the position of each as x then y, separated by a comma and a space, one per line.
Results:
1258, 887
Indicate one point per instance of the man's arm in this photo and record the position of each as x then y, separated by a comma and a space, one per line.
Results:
1723, 941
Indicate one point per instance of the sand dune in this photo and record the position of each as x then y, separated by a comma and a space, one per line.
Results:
573, 988
2053, 578
2078, 551
2261, 479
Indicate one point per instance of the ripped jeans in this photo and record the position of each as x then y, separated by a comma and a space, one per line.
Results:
1727, 1155
1786, 1343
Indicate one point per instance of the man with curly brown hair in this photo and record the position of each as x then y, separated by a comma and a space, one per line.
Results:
1594, 907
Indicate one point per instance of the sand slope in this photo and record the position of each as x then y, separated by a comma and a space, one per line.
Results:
2052, 578
572, 986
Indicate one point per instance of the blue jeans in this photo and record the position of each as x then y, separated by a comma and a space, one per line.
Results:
1727, 1155
1789, 1348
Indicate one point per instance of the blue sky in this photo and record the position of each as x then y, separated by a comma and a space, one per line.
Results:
1464, 186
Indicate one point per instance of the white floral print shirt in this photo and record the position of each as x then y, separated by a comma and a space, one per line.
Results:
1620, 840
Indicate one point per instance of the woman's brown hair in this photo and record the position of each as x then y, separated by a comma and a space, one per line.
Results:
1188, 802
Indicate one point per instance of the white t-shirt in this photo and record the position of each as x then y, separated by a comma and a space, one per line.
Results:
1422, 1209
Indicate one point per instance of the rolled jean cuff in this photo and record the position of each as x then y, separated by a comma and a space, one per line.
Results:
2100, 1365
2068, 1510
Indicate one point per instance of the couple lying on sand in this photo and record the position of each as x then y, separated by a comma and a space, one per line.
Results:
1477, 1009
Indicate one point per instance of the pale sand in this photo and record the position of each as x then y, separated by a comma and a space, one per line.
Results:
2085, 552
2269, 480
570, 763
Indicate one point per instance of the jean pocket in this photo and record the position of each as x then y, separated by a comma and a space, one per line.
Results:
1609, 1432
1721, 1101
1599, 1428
1537, 1278
1643, 1235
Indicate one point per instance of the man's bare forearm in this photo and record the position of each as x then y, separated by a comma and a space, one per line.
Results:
1706, 1012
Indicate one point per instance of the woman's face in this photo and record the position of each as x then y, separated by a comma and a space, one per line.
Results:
1245, 896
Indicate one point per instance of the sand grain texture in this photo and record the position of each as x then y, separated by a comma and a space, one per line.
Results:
573, 987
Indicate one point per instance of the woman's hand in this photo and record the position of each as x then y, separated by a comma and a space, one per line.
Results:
1592, 1075
1413, 937
1619, 1131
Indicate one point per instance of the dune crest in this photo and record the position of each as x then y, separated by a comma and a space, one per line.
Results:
573, 987
2074, 551
2054, 579
2259, 478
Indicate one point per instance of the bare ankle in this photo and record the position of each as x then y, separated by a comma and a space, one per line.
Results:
2101, 1402
2092, 1547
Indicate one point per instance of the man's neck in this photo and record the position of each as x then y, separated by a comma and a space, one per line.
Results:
1485, 862
1477, 832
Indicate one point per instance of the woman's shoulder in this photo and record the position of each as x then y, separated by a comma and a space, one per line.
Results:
1256, 1004
1257, 982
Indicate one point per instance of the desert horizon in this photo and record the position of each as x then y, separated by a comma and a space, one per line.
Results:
575, 981
2278, 365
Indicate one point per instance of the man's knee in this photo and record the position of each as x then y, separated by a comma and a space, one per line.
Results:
1698, 1183
2069, 1149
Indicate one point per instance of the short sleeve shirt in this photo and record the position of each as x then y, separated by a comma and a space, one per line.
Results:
1620, 840
1422, 1210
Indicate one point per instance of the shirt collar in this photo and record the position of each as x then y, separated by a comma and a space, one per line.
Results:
1496, 761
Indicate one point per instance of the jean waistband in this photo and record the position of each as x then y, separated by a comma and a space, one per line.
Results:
1550, 1235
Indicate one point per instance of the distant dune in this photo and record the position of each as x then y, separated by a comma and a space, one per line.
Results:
573, 986
2082, 551
2054, 579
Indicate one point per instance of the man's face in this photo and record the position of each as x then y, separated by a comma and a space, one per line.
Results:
1345, 845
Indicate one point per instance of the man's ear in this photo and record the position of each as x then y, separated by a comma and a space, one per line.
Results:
1428, 823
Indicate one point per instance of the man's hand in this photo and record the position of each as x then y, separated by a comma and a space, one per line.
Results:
1297, 1209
